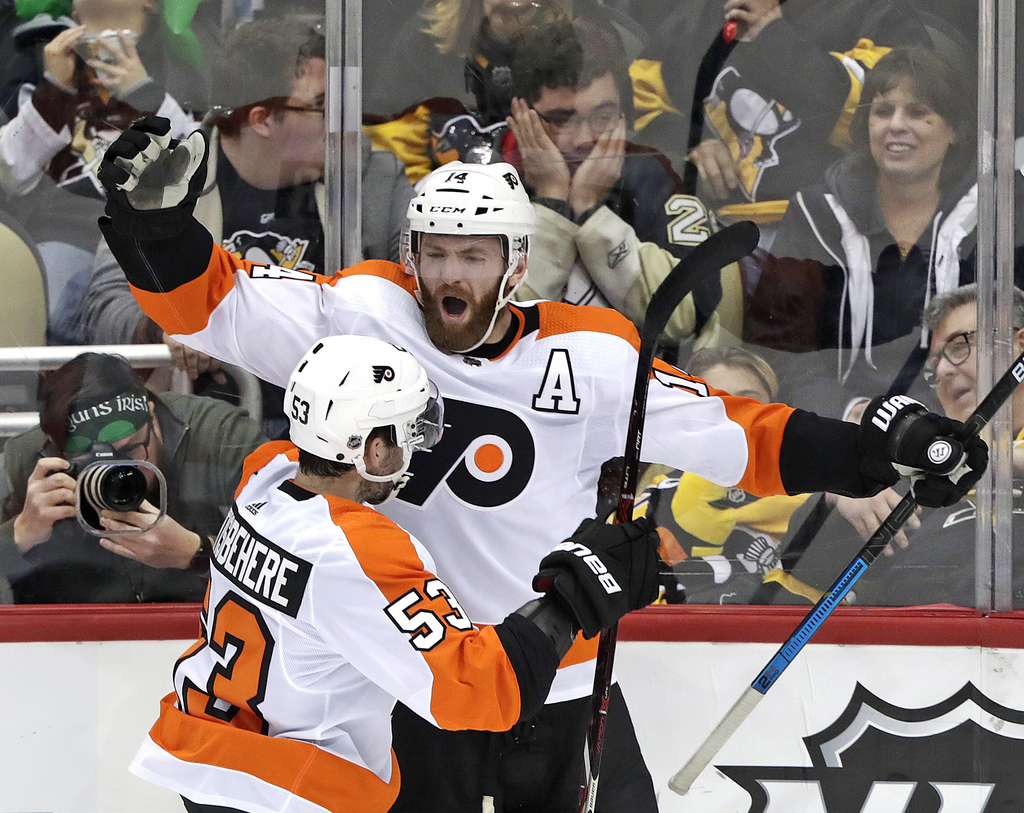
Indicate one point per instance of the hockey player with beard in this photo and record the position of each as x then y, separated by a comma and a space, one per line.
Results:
538, 394
332, 611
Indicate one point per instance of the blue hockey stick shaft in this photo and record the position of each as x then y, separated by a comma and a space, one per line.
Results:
812, 622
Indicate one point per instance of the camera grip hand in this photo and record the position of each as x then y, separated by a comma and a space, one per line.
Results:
49, 498
154, 540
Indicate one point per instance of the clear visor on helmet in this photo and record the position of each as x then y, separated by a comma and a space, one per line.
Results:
426, 429
462, 257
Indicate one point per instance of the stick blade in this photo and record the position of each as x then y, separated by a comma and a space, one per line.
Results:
722, 248
687, 775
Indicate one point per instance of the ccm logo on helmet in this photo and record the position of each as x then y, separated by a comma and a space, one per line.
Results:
594, 563
455, 210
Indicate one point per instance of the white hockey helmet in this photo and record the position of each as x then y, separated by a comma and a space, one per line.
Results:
346, 386
472, 199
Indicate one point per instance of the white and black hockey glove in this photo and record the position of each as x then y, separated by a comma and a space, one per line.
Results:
899, 436
152, 180
602, 572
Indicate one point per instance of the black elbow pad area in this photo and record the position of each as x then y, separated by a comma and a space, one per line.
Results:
533, 658
821, 454
158, 266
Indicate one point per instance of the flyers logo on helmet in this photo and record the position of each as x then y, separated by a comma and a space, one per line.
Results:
483, 467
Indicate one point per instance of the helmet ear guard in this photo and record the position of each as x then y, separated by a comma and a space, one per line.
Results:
347, 386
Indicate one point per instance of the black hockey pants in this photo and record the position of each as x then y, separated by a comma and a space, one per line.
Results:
536, 768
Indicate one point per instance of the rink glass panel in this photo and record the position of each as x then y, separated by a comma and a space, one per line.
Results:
788, 331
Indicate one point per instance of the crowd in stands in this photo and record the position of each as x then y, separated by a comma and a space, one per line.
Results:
846, 129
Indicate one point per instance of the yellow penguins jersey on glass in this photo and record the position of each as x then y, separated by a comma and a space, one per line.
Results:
529, 421
320, 613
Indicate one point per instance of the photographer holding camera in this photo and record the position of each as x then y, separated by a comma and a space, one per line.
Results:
105, 442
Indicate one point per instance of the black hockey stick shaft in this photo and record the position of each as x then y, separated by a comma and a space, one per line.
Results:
686, 775
719, 250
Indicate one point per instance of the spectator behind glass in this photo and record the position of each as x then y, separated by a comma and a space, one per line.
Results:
938, 564
719, 542
611, 219
858, 257
198, 444
449, 84
431, 48
68, 95
772, 108
264, 198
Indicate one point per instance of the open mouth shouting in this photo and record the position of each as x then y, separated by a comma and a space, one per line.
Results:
454, 308
455, 318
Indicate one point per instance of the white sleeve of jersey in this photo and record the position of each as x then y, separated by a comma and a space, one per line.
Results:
689, 429
405, 630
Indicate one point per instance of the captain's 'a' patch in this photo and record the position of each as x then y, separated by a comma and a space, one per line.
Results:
558, 388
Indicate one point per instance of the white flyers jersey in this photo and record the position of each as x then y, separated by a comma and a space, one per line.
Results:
527, 430
320, 613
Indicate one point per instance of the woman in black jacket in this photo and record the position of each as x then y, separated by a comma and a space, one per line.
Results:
858, 257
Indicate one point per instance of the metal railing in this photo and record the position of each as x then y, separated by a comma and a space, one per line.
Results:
139, 356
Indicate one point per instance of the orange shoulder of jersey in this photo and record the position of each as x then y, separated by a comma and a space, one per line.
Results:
474, 684
560, 317
187, 308
379, 268
262, 455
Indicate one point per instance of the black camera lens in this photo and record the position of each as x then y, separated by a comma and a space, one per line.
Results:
113, 487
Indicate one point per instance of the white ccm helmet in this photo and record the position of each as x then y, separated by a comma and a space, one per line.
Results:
346, 386
473, 199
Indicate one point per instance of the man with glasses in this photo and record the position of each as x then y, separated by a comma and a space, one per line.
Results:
93, 403
265, 195
936, 565
612, 221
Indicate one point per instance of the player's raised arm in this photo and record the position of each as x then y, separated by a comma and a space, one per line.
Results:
181, 278
152, 183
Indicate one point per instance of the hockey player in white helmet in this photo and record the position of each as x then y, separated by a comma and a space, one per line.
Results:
334, 612
537, 397
383, 387
464, 285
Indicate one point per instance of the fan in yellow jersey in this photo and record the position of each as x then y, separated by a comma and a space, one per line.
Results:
321, 612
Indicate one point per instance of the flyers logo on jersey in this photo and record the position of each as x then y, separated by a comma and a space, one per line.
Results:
485, 458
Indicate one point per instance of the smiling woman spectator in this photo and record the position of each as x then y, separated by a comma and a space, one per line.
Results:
858, 257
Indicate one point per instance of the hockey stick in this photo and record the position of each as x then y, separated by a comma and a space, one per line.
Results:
686, 775
719, 250
808, 530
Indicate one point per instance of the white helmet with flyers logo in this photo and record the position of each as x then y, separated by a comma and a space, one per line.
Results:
347, 386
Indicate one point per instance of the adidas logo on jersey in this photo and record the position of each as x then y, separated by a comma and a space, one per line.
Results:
254, 507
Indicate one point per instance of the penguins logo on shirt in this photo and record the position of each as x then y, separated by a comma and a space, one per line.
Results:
269, 248
485, 458
749, 125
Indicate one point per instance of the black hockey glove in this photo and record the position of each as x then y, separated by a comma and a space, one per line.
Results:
152, 180
602, 572
898, 436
